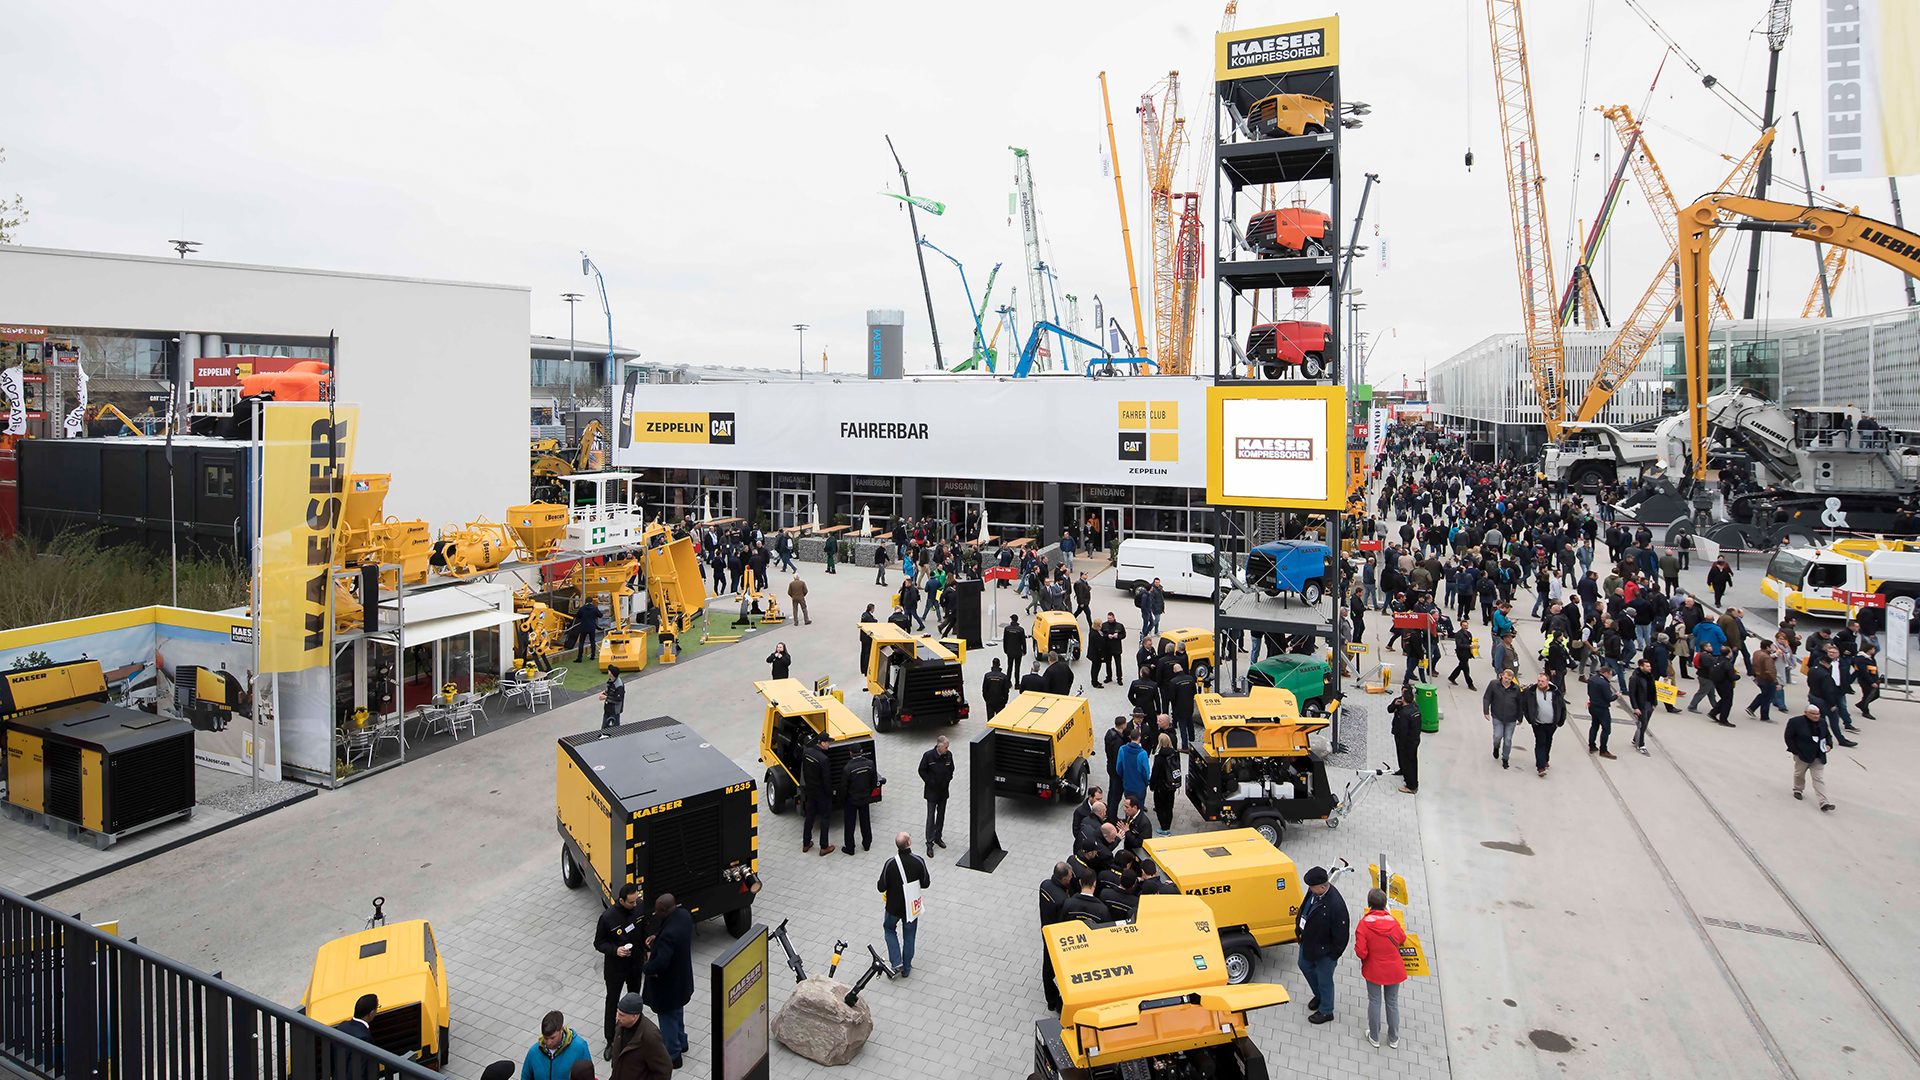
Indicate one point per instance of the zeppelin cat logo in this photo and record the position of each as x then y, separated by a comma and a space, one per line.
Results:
1149, 431
684, 427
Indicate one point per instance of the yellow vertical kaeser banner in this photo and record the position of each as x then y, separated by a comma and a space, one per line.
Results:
306, 454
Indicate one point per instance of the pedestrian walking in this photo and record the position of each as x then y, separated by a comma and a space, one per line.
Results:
1152, 603
936, 778
1601, 695
639, 1051
797, 598
613, 699
552, 1055
1013, 641
995, 688
1404, 715
902, 881
780, 661
1321, 930
1504, 706
1546, 708
1376, 944
1807, 742
1719, 578
1642, 694
620, 938
669, 971
880, 566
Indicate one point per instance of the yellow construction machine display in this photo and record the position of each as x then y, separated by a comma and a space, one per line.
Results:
549, 465
544, 628
757, 605
1252, 887
1042, 746
537, 528
1057, 631
794, 716
675, 587
1198, 645
402, 966
406, 544
1148, 998
922, 674
478, 548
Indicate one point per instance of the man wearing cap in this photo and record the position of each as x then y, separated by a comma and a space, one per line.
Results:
1322, 933
639, 1053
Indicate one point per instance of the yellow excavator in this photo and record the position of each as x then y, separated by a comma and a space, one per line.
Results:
550, 462
107, 410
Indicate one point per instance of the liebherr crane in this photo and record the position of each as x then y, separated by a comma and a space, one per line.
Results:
1526, 198
1653, 185
1162, 137
1030, 234
1642, 328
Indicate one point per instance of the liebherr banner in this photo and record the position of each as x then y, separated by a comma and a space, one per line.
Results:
1870, 88
1070, 430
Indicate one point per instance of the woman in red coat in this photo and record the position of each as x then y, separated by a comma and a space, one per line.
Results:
1377, 938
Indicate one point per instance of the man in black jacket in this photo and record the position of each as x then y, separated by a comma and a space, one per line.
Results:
1181, 690
1642, 693
863, 783
1600, 697
613, 699
1082, 596
936, 774
1829, 677
1322, 932
1546, 710
1115, 634
1013, 641
669, 971
620, 938
901, 880
1083, 904
1807, 742
1059, 674
1143, 694
1504, 705
995, 688
816, 794
1054, 893
1406, 739
1085, 811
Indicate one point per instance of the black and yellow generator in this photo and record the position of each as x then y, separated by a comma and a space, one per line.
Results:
44, 686
655, 804
99, 769
207, 698
1254, 764
795, 716
1042, 746
922, 673
402, 966
1148, 998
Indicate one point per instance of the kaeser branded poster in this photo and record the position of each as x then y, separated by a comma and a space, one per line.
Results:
1069, 430
1277, 446
306, 454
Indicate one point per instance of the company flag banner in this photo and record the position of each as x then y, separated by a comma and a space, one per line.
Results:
305, 457
76, 422
1870, 89
13, 388
930, 206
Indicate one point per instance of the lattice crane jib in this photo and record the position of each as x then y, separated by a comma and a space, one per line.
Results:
1653, 185
1526, 191
1030, 236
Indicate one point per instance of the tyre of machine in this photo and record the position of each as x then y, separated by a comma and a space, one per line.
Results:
1198, 645
1148, 998
924, 676
1057, 631
1042, 747
794, 715
1253, 888
402, 965
1253, 765
654, 803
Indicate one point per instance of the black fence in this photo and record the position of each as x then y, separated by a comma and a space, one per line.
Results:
79, 1002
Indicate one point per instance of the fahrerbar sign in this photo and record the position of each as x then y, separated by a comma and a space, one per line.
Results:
1082, 431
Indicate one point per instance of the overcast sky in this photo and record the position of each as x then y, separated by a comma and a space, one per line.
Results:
723, 164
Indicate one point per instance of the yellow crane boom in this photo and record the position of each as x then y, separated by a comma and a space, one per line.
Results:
1640, 330
1526, 199
1120, 196
1162, 137
1890, 244
1653, 184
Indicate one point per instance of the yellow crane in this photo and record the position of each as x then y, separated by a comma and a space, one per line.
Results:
1640, 330
1876, 239
1162, 138
1526, 200
1126, 234
1653, 184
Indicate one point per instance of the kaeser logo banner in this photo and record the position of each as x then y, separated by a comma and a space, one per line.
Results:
1271, 50
305, 458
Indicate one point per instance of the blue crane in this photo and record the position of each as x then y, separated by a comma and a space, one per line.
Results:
981, 354
1107, 363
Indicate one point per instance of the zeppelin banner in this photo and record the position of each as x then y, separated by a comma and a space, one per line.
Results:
1051, 429
306, 454
1870, 89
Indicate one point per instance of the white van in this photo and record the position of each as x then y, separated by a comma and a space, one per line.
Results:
1184, 569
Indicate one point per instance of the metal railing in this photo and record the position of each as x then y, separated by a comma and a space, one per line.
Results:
76, 1001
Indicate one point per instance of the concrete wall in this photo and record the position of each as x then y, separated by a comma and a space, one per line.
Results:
439, 369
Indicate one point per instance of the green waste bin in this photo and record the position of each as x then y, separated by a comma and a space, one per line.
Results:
1427, 696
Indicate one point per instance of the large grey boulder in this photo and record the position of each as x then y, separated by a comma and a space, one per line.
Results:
818, 1024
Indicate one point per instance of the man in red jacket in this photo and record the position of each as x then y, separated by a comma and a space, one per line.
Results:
1376, 942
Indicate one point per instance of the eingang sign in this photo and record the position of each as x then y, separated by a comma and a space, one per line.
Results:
1065, 430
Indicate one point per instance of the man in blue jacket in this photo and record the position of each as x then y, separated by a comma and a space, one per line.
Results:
669, 973
552, 1057
1135, 768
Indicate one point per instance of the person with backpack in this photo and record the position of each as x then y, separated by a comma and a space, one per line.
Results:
862, 781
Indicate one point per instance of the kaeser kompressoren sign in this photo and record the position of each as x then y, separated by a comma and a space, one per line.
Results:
1272, 50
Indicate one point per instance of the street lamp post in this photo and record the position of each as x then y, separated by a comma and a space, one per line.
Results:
802, 327
571, 298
